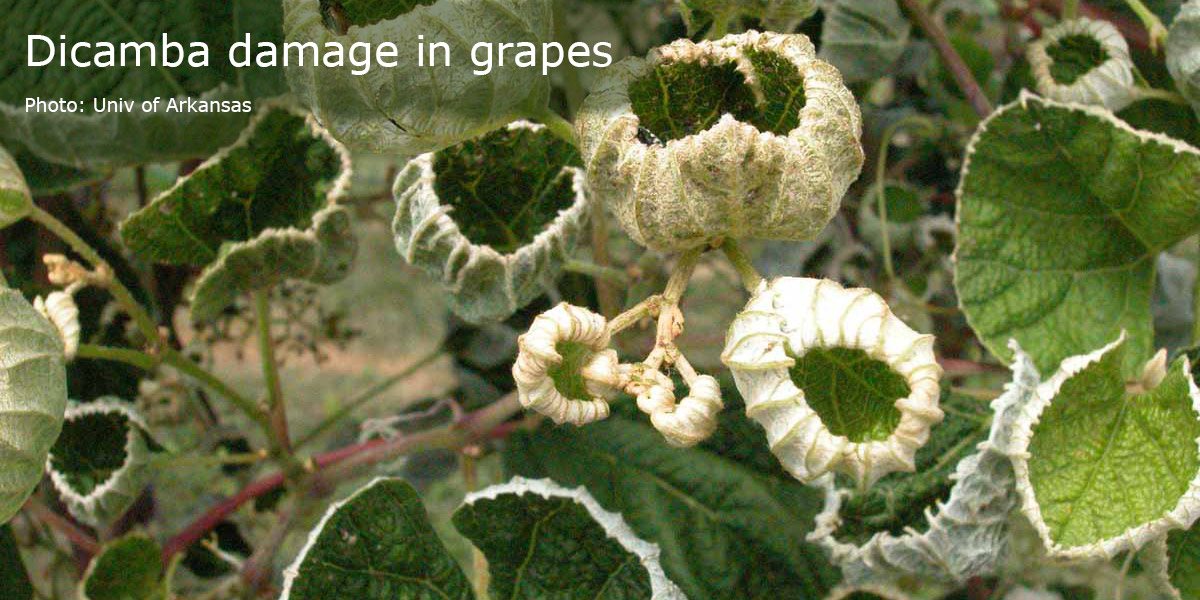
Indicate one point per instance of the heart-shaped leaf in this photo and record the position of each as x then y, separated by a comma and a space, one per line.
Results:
1061, 212
88, 138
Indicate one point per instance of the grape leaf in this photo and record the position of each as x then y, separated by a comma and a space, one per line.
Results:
1183, 561
854, 393
110, 139
375, 545
15, 198
1108, 467
724, 503
863, 39
1061, 212
129, 568
33, 398
545, 541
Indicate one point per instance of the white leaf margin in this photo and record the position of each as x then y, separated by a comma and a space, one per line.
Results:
1109, 84
966, 536
428, 237
109, 499
613, 523
1185, 512
1156, 559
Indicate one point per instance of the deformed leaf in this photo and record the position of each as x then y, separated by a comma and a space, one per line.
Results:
1061, 212
115, 138
1173, 562
33, 397
493, 219
546, 541
1104, 466
863, 39
278, 174
401, 108
1085, 61
129, 568
729, 521
377, 544
15, 199
101, 462
1183, 52
322, 254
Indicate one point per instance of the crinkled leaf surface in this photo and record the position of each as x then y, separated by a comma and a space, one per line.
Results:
277, 175
113, 139
898, 501
129, 568
1061, 213
726, 502
863, 39
550, 547
14, 579
15, 198
1183, 561
376, 545
506, 186
1103, 460
33, 398
854, 393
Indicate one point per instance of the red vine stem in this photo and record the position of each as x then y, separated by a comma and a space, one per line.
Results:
80, 538
954, 63
345, 463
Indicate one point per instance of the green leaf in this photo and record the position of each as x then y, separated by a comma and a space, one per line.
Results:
33, 398
129, 568
545, 541
277, 175
1110, 464
407, 108
730, 522
47, 178
1061, 212
1183, 561
863, 39
1074, 56
100, 463
15, 199
322, 254
775, 15
375, 545
14, 579
110, 139
854, 393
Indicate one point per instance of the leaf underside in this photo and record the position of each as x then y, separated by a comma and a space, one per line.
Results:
506, 186
1074, 56
90, 449
678, 99
278, 178
126, 569
541, 547
854, 394
378, 545
1103, 460
898, 501
1061, 214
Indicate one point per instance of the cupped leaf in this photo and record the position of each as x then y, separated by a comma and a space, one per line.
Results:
1103, 465
863, 39
278, 174
15, 199
729, 521
406, 108
546, 541
321, 254
854, 394
33, 397
100, 463
129, 568
493, 219
1061, 212
1174, 563
1183, 52
14, 579
377, 544
88, 138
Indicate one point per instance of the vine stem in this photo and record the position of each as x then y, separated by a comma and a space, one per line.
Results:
348, 462
750, 277
558, 126
276, 405
1150, 21
596, 271
80, 538
1070, 9
954, 63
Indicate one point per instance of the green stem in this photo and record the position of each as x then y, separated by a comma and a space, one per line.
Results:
244, 458
749, 275
128, 356
1070, 9
276, 407
597, 271
1149, 93
558, 126
366, 396
1150, 21
881, 187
